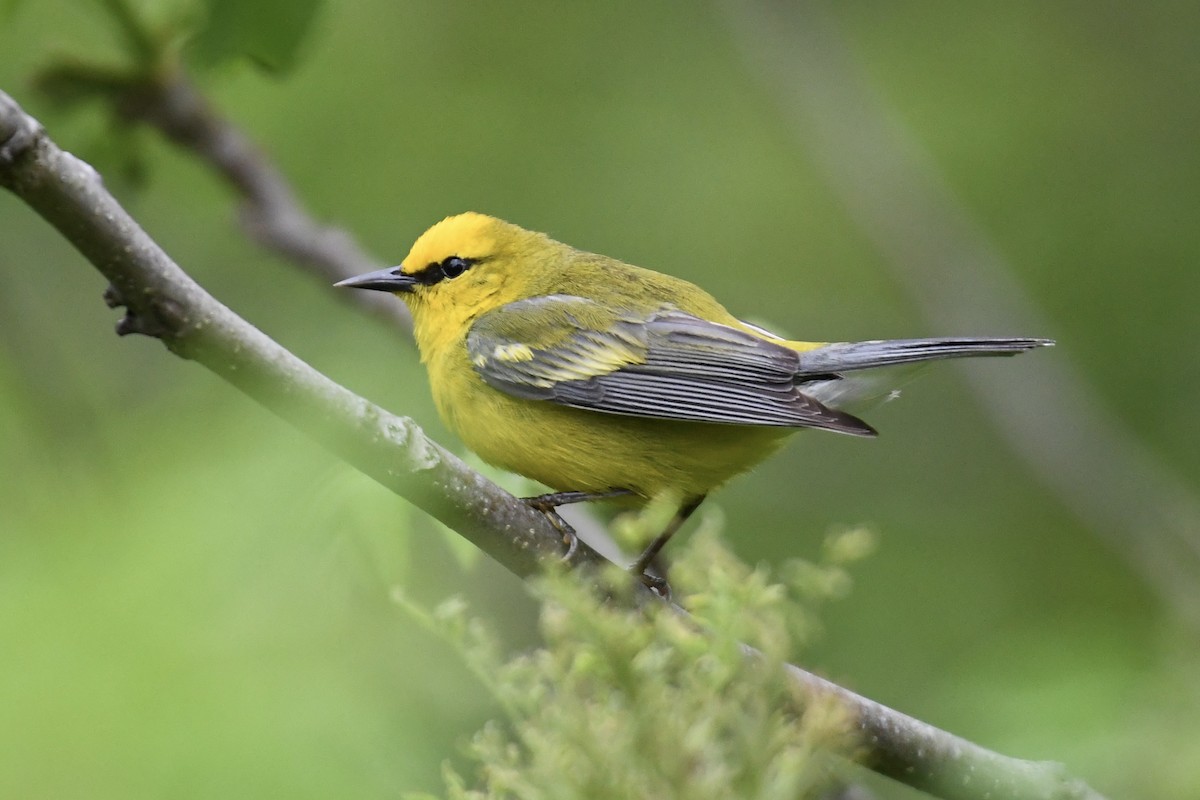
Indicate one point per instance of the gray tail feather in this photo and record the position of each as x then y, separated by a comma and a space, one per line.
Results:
845, 356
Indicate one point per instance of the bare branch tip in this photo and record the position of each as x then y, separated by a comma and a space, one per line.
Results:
113, 297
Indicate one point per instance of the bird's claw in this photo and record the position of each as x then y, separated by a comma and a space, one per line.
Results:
571, 540
544, 504
656, 584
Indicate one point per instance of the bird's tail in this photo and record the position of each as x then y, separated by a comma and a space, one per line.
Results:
848, 356
822, 374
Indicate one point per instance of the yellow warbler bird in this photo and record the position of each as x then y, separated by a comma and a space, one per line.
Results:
598, 378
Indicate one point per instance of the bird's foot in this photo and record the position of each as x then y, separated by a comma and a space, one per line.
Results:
569, 538
548, 504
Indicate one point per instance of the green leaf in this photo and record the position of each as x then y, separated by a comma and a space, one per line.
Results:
268, 32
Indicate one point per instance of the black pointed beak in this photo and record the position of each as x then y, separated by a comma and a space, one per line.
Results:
392, 279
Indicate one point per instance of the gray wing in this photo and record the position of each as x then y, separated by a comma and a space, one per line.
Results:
665, 365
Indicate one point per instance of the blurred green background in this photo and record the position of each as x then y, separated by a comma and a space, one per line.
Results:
194, 599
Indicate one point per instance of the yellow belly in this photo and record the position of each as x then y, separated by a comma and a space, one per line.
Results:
572, 449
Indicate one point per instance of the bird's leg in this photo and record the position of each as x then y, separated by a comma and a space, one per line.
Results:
657, 583
548, 504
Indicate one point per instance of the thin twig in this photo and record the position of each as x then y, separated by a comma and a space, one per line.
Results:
162, 301
272, 214
163, 97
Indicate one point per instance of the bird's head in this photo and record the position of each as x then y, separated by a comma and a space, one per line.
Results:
460, 268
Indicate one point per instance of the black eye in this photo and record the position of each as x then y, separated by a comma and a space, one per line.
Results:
454, 266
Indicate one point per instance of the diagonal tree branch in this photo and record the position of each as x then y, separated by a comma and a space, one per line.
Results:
162, 301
